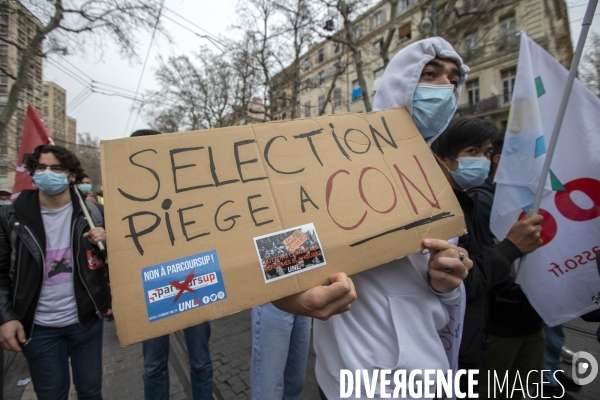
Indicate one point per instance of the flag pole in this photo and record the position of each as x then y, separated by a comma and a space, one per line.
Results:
585, 27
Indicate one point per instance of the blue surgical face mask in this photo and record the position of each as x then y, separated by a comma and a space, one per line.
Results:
432, 108
4, 203
85, 187
49, 182
471, 172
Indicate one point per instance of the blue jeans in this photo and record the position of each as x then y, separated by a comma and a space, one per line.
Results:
156, 364
48, 354
555, 340
279, 353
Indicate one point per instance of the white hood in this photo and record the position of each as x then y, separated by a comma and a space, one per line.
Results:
402, 74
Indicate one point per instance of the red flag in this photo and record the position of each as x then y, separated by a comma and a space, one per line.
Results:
34, 134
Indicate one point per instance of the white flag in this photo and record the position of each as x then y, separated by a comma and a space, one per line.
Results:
560, 277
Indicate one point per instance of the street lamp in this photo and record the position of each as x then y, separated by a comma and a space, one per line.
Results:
430, 23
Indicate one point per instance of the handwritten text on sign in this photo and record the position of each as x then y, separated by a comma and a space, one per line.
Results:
196, 169
367, 184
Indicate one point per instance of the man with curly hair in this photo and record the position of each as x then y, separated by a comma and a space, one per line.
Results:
53, 290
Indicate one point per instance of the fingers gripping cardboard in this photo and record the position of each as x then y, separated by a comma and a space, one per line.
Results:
357, 190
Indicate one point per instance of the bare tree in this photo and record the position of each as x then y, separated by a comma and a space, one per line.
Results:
88, 152
349, 10
257, 19
247, 83
69, 25
385, 48
590, 68
298, 20
192, 95
207, 91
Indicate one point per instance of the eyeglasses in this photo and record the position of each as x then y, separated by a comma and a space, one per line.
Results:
54, 168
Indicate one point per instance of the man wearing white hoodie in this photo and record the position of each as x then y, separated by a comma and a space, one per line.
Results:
399, 306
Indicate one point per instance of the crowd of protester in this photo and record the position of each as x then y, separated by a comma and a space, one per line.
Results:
55, 288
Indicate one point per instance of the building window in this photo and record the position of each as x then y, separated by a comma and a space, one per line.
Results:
508, 85
337, 47
378, 19
356, 90
358, 31
321, 102
3, 171
321, 55
283, 116
403, 5
306, 64
3, 89
307, 109
473, 91
283, 100
471, 42
337, 97
508, 31
377, 46
321, 77
306, 86
404, 33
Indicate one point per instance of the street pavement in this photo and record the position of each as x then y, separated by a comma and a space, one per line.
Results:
231, 350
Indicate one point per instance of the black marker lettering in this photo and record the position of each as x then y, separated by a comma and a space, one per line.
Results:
349, 147
213, 171
339, 145
375, 133
268, 148
166, 204
239, 163
232, 218
153, 172
309, 136
134, 234
176, 167
184, 223
304, 197
256, 210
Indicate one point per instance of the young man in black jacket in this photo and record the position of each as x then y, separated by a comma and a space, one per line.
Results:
53, 290
463, 151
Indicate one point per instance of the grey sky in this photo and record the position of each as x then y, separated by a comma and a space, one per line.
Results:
106, 116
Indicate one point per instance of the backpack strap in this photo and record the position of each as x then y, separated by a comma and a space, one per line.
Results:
95, 213
487, 192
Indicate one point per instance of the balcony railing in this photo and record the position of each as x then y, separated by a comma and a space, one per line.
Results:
482, 106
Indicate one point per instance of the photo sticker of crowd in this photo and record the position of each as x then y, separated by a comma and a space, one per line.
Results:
289, 252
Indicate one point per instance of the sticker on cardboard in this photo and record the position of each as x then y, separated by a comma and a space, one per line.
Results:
289, 252
182, 285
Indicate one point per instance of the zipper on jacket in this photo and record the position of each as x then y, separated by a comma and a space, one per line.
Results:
79, 271
43, 269
16, 266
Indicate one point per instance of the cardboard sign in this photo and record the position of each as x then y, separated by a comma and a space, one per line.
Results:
278, 207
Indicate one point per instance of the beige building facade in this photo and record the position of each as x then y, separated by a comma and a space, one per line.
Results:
483, 32
71, 133
17, 26
61, 127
